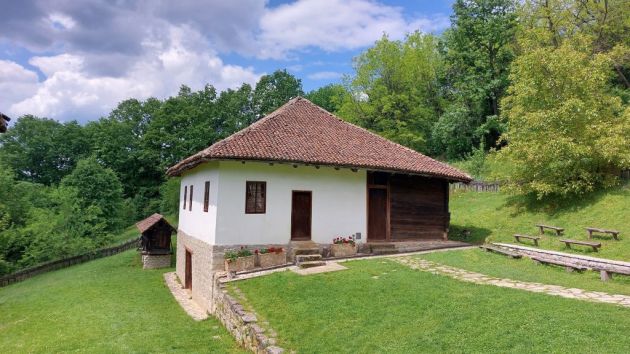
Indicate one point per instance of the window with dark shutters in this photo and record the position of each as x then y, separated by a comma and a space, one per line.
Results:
185, 196
206, 197
255, 197
191, 198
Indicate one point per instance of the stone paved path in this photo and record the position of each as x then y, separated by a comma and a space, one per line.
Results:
478, 278
183, 298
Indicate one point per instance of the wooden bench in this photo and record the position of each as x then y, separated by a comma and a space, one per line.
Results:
606, 274
542, 228
590, 231
594, 245
490, 248
518, 238
569, 267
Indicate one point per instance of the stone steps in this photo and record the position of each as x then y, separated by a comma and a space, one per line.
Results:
309, 260
383, 248
306, 251
300, 258
311, 264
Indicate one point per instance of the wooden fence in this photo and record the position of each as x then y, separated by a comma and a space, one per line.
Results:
66, 262
625, 174
476, 186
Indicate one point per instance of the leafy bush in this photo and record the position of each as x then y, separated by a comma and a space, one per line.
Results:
567, 133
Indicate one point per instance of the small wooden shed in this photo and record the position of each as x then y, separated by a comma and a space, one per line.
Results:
155, 241
4, 122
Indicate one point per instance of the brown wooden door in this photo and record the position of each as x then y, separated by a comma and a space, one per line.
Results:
377, 214
188, 271
301, 215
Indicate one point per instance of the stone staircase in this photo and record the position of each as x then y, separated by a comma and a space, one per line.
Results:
383, 248
306, 254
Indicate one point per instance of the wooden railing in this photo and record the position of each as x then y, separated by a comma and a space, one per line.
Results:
476, 186
66, 262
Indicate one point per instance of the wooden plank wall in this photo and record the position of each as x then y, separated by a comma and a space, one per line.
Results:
418, 207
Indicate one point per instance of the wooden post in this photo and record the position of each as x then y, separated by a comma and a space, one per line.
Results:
605, 275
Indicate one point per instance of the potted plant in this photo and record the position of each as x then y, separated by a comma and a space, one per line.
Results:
240, 260
271, 257
343, 247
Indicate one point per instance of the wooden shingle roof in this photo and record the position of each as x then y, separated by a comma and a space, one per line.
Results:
304, 133
147, 223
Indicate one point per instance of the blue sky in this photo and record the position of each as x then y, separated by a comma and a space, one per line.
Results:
76, 60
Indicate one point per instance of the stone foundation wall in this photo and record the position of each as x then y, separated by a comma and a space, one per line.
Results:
152, 261
241, 324
202, 267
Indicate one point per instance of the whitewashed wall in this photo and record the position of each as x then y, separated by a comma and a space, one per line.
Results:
198, 223
338, 204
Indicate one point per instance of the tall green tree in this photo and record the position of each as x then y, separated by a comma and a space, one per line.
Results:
183, 125
478, 50
43, 150
97, 187
394, 91
117, 142
330, 97
235, 110
567, 132
603, 25
274, 90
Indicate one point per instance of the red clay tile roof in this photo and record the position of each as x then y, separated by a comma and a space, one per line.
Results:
302, 132
147, 223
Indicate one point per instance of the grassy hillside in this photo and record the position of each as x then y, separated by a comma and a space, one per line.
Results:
497, 216
109, 305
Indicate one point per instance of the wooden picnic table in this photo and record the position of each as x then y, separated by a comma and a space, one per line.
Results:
591, 230
594, 245
542, 228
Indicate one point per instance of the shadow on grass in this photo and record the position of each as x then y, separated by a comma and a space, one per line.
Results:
558, 205
467, 233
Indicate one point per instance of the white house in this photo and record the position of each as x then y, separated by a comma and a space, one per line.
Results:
301, 173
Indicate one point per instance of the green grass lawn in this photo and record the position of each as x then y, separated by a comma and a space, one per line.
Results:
109, 305
526, 270
497, 216
404, 310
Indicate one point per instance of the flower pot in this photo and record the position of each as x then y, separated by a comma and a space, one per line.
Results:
343, 249
272, 259
240, 264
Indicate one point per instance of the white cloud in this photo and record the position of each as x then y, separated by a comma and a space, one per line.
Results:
16, 84
334, 25
324, 75
60, 21
53, 64
183, 57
